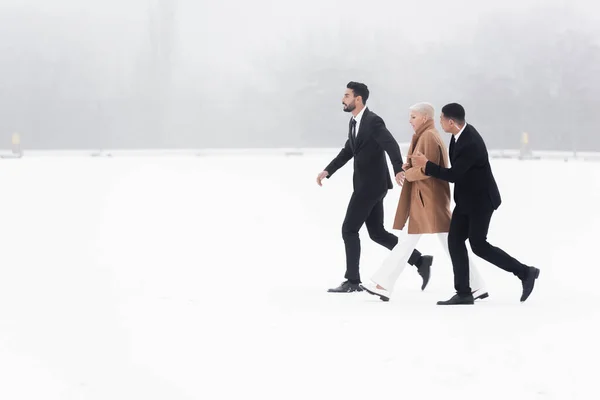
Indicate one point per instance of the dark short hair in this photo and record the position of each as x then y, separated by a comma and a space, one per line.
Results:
359, 89
455, 112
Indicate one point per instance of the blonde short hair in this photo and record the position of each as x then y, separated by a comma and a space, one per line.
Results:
424, 108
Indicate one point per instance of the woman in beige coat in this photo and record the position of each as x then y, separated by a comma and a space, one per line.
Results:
425, 203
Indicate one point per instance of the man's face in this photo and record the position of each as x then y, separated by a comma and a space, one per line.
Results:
349, 101
446, 123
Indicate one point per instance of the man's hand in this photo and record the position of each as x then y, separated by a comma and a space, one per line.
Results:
400, 178
406, 166
321, 176
418, 159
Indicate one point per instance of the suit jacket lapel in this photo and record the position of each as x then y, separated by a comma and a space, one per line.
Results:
465, 136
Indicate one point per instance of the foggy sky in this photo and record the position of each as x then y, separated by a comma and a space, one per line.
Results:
267, 73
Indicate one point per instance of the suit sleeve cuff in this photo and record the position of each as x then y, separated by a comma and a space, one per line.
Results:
429, 168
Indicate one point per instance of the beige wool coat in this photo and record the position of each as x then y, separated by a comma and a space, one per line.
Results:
425, 201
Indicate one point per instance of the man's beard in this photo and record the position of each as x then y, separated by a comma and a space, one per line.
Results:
350, 107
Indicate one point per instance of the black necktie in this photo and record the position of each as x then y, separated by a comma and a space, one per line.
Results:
353, 130
452, 143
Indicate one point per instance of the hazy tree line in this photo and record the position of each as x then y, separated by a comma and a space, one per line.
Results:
537, 73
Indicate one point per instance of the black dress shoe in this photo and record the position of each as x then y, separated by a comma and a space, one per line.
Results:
346, 287
424, 269
456, 299
529, 281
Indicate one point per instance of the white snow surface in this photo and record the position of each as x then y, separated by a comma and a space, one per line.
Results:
206, 278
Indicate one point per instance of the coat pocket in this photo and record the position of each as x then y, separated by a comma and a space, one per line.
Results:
421, 198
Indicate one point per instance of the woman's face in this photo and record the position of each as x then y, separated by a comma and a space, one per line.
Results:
416, 119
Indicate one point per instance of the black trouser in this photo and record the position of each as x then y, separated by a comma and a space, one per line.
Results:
366, 210
474, 226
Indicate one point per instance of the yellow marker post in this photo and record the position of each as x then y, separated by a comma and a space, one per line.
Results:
16, 143
525, 150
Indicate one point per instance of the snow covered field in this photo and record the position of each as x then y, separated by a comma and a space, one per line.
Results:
205, 278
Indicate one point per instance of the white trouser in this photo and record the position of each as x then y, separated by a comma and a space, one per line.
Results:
387, 275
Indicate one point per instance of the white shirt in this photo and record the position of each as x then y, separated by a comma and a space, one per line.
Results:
358, 118
458, 134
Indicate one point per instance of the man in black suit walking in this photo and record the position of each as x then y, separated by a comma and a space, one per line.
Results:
477, 197
368, 141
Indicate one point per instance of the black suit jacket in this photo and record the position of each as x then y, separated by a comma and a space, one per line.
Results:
475, 189
371, 173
